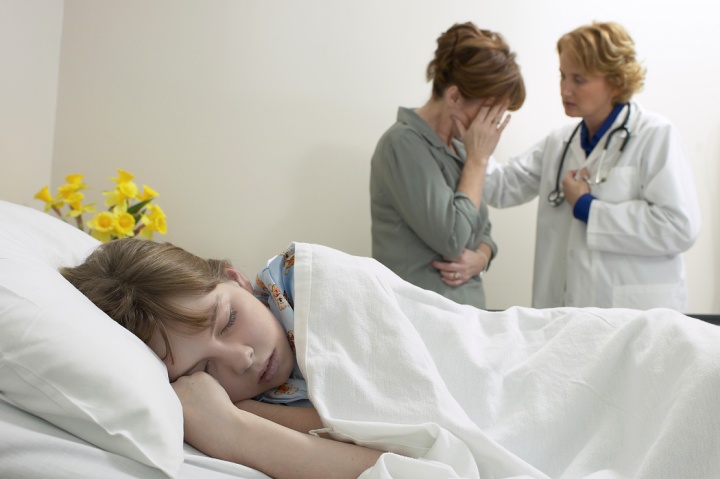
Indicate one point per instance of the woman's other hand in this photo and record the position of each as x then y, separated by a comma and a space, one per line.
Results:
458, 271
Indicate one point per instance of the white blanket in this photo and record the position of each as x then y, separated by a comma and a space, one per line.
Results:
454, 391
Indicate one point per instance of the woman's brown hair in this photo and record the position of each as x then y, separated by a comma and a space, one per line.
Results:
479, 63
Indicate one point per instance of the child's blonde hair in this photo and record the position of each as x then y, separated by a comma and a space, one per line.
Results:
136, 283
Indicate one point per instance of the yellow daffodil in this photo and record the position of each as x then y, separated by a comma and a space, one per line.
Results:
44, 195
111, 198
66, 191
73, 185
125, 226
76, 209
102, 225
155, 221
148, 193
124, 221
122, 192
76, 179
50, 203
123, 176
126, 189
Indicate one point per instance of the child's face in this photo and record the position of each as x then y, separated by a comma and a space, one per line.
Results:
246, 349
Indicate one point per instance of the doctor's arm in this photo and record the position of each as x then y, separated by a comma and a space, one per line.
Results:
216, 427
518, 181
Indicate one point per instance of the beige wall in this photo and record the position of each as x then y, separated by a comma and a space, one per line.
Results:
256, 120
29, 55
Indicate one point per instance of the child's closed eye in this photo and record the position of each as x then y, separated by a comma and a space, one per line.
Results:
231, 320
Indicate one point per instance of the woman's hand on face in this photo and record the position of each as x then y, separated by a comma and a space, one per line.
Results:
482, 135
574, 185
458, 271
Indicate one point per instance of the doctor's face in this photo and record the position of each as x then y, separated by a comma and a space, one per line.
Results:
585, 96
245, 349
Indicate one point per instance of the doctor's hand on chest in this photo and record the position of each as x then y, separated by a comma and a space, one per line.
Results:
574, 185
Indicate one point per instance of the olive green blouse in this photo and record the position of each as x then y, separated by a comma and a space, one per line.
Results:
417, 216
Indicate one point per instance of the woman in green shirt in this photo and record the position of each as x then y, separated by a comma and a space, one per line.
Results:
429, 223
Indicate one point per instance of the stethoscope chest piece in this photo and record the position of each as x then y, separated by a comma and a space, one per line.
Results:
556, 198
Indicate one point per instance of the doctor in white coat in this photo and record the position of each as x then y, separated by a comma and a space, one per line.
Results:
617, 203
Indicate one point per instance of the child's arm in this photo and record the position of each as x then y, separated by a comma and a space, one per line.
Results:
303, 419
215, 426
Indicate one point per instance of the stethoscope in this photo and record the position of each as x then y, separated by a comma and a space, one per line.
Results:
556, 197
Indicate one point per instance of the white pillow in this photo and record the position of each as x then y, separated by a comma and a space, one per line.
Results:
64, 360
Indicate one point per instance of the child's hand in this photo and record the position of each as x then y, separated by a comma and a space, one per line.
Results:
200, 391
206, 408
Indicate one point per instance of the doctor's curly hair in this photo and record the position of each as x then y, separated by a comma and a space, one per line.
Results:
606, 49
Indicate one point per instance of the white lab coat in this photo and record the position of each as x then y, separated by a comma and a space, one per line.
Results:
644, 216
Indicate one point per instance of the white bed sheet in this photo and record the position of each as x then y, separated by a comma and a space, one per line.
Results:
32, 448
562, 393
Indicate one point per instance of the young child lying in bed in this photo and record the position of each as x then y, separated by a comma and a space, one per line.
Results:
228, 348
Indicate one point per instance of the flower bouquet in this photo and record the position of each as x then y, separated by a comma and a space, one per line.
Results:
129, 211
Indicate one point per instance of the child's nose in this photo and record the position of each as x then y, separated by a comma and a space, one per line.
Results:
243, 357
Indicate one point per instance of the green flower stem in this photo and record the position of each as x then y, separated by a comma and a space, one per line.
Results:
59, 213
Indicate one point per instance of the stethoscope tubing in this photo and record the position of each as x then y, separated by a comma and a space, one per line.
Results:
556, 197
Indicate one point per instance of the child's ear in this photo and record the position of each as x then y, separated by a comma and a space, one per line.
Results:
239, 278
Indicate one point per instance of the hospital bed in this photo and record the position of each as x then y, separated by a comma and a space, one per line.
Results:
455, 392
709, 318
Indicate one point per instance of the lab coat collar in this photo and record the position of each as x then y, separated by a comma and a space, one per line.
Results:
589, 144
580, 160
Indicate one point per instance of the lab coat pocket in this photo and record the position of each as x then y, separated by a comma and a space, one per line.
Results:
622, 184
649, 296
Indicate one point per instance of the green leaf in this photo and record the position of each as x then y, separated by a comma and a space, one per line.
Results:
137, 207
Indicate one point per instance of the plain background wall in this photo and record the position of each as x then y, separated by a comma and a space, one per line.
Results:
29, 56
256, 121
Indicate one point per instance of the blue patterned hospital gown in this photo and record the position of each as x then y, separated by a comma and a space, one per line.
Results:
274, 286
